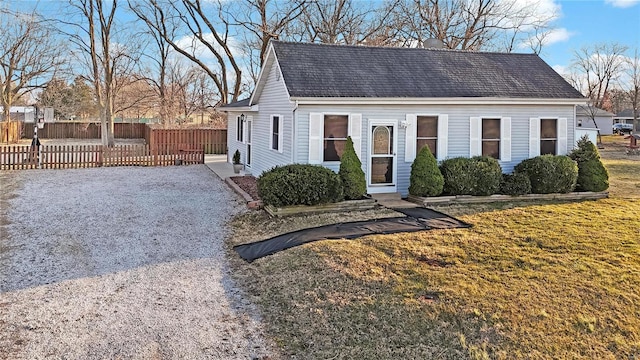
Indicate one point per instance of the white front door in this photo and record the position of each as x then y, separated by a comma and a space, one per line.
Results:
382, 170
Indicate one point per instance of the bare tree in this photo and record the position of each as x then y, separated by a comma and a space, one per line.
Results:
203, 34
633, 72
106, 59
342, 22
472, 25
30, 55
595, 69
258, 22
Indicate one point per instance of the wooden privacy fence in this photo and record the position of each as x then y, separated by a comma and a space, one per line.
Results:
75, 130
213, 141
17, 157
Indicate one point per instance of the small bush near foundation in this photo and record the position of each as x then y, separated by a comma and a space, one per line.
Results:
353, 180
300, 184
515, 184
479, 175
426, 179
550, 173
592, 175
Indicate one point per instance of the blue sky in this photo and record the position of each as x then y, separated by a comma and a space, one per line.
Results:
590, 21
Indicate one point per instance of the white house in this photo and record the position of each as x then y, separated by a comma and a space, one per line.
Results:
585, 116
393, 101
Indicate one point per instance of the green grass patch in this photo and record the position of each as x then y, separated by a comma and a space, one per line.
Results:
541, 281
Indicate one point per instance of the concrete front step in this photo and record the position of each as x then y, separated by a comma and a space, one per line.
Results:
387, 196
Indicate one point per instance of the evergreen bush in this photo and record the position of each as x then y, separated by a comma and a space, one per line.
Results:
353, 179
550, 173
300, 184
479, 175
426, 179
515, 184
592, 175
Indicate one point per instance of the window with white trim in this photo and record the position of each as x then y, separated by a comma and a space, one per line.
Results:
427, 134
491, 138
548, 136
239, 129
276, 133
336, 130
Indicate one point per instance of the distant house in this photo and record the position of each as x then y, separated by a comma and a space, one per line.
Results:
585, 116
20, 113
624, 117
394, 101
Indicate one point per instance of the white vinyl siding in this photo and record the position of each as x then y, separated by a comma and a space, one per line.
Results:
458, 130
273, 100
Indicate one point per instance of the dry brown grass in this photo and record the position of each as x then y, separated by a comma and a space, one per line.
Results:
538, 281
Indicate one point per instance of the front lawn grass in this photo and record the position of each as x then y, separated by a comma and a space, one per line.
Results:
542, 281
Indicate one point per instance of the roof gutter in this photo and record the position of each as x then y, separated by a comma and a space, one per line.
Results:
435, 101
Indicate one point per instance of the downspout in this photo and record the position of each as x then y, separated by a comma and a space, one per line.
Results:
294, 129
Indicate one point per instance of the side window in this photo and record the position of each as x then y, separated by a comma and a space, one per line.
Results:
336, 130
427, 134
491, 138
548, 136
239, 129
275, 132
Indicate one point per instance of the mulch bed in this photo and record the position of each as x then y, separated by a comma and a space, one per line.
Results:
248, 184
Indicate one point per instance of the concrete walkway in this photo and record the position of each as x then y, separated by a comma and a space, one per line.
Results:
220, 166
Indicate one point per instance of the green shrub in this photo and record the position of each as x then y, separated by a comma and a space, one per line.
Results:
515, 184
487, 173
236, 157
592, 175
550, 174
479, 175
426, 179
353, 180
299, 184
455, 172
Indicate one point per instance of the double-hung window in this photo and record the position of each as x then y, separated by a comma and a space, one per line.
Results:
548, 136
276, 133
427, 134
491, 138
336, 130
239, 129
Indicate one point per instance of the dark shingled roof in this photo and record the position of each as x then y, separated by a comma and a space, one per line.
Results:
315, 70
239, 103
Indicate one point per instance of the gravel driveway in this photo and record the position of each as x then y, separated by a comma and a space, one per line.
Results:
120, 263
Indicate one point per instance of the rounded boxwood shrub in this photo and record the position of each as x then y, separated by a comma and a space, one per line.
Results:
487, 173
353, 180
299, 184
480, 175
592, 175
425, 179
456, 172
550, 173
515, 184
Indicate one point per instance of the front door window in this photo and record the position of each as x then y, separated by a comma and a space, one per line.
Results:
382, 155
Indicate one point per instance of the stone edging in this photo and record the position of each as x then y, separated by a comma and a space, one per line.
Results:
468, 199
251, 204
349, 205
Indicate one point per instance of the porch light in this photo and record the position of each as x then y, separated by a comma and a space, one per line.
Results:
242, 117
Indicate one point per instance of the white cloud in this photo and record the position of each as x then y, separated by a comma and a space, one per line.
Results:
550, 37
561, 69
537, 10
622, 3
